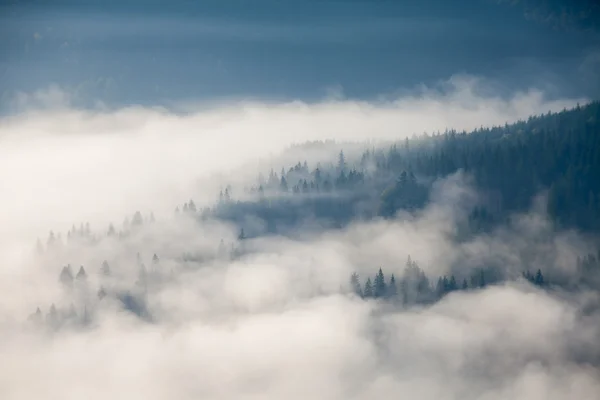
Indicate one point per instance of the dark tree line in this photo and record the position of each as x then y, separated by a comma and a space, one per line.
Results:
555, 152
558, 153
414, 287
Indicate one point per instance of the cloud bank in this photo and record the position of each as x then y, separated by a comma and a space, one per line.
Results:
277, 322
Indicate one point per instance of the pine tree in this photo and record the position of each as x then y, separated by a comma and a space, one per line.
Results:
452, 286
465, 285
137, 219
341, 161
355, 284
52, 317
440, 289
482, 282
379, 287
446, 284
283, 185
36, 317
66, 275
368, 290
392, 289
81, 275
539, 278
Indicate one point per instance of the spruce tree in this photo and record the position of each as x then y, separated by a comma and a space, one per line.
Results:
392, 289
355, 284
81, 275
465, 285
368, 290
379, 287
539, 278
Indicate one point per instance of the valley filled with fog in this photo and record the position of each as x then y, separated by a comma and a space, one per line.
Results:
233, 253
300, 200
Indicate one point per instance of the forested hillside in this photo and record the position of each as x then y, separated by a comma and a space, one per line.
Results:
554, 153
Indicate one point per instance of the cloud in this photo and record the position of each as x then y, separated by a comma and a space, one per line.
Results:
271, 324
151, 157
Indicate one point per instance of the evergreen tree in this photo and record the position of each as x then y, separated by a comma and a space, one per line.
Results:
283, 186
355, 284
379, 286
66, 275
440, 289
81, 275
137, 219
36, 317
446, 284
52, 317
341, 161
482, 282
392, 290
452, 286
368, 290
539, 278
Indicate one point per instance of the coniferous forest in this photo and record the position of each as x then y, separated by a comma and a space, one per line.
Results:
556, 155
309, 199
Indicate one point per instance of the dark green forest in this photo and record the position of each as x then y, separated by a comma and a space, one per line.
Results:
557, 153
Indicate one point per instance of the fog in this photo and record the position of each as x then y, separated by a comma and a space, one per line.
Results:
279, 320
153, 159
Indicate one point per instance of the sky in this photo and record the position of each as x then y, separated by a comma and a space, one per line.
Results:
152, 53
113, 107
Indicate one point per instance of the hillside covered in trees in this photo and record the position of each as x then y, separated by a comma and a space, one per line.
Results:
558, 154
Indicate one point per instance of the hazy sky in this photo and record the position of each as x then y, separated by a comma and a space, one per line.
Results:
152, 52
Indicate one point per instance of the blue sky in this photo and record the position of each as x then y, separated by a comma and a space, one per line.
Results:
134, 52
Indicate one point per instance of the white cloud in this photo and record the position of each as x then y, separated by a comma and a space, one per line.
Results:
271, 325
